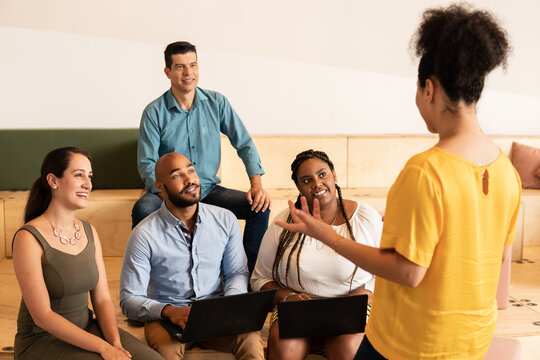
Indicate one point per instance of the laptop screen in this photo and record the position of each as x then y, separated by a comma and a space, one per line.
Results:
224, 316
322, 317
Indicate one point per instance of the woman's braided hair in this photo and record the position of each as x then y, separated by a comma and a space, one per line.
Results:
288, 237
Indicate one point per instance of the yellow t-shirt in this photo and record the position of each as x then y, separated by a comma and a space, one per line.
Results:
439, 217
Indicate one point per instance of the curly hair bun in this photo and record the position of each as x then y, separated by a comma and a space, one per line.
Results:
459, 45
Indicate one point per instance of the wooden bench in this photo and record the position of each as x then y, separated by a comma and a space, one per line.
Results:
366, 167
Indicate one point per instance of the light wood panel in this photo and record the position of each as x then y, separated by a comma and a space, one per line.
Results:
505, 142
110, 213
531, 217
9, 303
277, 153
366, 166
376, 161
14, 215
2, 231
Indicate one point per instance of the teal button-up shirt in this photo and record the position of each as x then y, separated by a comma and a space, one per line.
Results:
166, 127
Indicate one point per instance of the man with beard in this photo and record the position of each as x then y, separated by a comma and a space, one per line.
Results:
185, 251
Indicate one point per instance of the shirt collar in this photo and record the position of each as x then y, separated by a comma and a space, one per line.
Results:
172, 220
171, 101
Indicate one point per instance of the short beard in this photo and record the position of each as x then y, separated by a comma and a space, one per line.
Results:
180, 202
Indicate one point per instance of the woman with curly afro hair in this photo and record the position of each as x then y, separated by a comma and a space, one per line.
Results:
451, 213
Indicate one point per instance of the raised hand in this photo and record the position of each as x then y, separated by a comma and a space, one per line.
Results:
312, 226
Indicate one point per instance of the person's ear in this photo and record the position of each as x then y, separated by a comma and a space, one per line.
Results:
52, 180
167, 72
429, 90
160, 187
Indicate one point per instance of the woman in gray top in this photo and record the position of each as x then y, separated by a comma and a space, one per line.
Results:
58, 260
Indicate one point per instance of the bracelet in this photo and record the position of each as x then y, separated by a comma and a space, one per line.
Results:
289, 294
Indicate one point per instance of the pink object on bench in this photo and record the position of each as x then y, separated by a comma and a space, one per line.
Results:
504, 349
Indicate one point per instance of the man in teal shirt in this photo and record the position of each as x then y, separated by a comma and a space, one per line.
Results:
189, 120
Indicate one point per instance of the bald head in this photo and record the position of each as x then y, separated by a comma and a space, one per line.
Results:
177, 181
168, 164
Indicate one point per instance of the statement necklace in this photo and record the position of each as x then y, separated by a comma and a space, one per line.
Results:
64, 239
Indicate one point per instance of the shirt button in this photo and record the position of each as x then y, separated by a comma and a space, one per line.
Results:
194, 163
192, 146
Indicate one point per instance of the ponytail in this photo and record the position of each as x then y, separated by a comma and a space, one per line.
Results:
55, 162
38, 200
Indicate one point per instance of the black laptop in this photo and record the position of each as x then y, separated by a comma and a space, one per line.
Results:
322, 317
224, 316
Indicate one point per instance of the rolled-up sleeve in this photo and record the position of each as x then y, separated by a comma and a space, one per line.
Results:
134, 279
148, 148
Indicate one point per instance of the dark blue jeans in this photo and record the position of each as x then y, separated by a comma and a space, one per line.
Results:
233, 200
367, 351
147, 204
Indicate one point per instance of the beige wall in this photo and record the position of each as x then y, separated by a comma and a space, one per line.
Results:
288, 67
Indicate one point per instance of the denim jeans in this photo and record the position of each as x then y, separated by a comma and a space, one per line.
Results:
147, 204
367, 351
233, 200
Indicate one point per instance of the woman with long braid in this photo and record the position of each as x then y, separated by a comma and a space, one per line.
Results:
301, 267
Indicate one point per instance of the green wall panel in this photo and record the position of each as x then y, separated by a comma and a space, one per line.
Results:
113, 151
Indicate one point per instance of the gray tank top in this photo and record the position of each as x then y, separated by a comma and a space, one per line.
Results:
68, 279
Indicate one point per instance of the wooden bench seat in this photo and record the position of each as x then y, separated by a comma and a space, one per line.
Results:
366, 167
110, 212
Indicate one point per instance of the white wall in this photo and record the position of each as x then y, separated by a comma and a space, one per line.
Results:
288, 67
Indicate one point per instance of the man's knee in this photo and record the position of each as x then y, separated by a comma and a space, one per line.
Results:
248, 346
160, 340
258, 223
147, 204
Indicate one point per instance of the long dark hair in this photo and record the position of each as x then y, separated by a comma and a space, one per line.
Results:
55, 162
288, 237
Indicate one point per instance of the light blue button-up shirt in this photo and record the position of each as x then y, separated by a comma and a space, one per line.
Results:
166, 127
160, 266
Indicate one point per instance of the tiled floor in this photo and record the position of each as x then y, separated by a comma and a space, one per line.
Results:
517, 321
